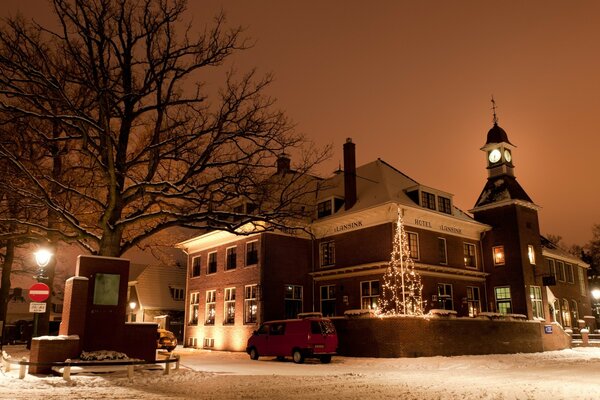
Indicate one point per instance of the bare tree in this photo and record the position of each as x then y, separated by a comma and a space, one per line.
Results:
126, 140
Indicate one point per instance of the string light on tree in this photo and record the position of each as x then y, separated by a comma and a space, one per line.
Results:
402, 287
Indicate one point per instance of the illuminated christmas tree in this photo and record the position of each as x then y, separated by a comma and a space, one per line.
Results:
402, 287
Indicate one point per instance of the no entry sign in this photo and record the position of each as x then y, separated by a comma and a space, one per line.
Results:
39, 292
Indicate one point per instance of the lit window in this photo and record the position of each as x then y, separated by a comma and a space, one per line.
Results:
293, 301
574, 311
194, 302
469, 253
413, 245
503, 299
327, 253
531, 254
369, 295
537, 308
250, 304
211, 298
328, 300
229, 302
498, 252
473, 301
445, 300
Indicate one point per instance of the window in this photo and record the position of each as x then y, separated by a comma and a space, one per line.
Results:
428, 200
469, 251
212, 263
194, 302
445, 301
324, 209
327, 253
251, 253
230, 258
211, 298
574, 312
560, 268
413, 245
177, 293
442, 252
250, 304
195, 267
229, 302
498, 252
569, 271
473, 301
565, 313
552, 269
209, 342
369, 295
444, 205
328, 300
293, 301
503, 299
582, 278
192, 342
531, 254
537, 308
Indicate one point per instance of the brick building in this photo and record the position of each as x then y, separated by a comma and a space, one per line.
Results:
494, 260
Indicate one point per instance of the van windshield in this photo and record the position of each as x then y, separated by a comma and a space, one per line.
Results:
322, 328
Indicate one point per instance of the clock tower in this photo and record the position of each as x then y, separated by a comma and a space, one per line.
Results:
512, 250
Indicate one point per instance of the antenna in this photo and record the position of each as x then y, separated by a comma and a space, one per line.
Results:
494, 111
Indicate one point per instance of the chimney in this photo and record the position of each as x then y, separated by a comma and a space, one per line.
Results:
349, 174
283, 164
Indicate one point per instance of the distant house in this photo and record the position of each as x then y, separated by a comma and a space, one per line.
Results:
156, 294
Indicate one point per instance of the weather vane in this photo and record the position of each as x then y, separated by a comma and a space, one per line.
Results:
494, 109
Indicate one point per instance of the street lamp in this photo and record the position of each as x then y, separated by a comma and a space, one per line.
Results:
42, 259
132, 306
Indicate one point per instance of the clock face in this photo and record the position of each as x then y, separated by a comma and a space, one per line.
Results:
494, 156
507, 155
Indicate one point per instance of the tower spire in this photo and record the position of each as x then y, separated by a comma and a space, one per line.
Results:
494, 111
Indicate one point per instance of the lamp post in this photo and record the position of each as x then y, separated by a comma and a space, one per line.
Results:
42, 259
596, 296
132, 306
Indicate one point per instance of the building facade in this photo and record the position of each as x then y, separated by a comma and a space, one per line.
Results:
493, 260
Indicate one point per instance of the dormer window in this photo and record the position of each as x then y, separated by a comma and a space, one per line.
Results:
444, 205
431, 199
244, 208
329, 206
428, 200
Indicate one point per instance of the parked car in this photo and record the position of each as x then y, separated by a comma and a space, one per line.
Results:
299, 338
166, 340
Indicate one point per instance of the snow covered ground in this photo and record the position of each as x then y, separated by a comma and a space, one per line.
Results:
572, 374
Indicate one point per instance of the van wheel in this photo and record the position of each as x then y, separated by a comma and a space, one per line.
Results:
253, 354
298, 357
325, 359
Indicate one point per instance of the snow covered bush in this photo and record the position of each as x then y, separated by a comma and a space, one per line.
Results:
102, 355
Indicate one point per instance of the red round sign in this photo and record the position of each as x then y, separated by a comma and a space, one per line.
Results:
39, 292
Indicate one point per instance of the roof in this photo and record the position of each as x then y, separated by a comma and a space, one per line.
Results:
501, 188
497, 135
378, 183
153, 283
552, 250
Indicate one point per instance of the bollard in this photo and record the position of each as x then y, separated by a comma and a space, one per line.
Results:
177, 362
168, 366
130, 371
22, 368
67, 370
585, 337
5, 361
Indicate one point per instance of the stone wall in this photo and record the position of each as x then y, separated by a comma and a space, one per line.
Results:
442, 336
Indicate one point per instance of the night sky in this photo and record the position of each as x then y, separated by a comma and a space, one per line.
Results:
410, 82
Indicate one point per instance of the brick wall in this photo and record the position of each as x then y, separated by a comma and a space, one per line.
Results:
421, 337
55, 350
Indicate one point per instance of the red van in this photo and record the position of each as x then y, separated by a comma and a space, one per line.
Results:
300, 338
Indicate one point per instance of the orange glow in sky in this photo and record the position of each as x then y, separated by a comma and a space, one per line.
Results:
410, 82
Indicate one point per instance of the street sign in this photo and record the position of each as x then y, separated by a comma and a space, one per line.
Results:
39, 292
37, 307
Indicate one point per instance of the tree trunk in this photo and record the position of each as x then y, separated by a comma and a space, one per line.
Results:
5, 280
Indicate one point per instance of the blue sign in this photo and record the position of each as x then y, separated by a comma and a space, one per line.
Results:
548, 329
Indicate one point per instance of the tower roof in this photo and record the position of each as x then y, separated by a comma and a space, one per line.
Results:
497, 135
501, 188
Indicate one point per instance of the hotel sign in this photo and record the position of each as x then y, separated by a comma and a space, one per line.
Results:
441, 227
346, 227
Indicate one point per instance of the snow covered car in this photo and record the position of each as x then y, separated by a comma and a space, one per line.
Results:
166, 340
299, 338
